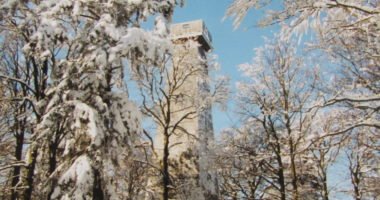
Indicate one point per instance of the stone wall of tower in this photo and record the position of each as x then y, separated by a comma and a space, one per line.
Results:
190, 161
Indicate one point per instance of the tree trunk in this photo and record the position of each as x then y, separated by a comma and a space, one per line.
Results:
294, 170
281, 181
19, 134
30, 175
356, 180
17, 169
53, 147
166, 177
280, 174
97, 193
325, 188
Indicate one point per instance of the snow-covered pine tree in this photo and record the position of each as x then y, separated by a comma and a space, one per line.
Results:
84, 126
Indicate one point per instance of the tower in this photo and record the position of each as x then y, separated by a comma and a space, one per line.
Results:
189, 155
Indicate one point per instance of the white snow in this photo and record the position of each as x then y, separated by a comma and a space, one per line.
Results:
81, 174
83, 112
135, 2
161, 27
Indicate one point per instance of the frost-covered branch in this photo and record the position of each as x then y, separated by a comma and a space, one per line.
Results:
18, 81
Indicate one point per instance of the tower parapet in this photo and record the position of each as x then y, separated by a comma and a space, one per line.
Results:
193, 29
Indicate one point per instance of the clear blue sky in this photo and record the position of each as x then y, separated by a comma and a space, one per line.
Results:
233, 47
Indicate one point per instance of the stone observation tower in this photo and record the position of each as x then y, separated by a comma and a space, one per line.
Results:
189, 146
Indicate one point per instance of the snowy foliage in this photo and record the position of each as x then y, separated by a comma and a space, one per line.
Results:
85, 126
346, 33
276, 104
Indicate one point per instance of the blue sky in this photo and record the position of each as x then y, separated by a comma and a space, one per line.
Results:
233, 47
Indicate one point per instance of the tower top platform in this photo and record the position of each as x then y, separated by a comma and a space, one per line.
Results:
192, 29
